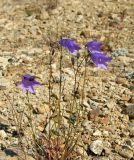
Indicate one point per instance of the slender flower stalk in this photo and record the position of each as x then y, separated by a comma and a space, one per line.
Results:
30, 119
52, 51
60, 90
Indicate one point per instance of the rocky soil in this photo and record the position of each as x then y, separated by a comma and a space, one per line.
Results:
106, 113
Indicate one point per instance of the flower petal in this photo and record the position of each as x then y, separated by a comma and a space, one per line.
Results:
31, 89
93, 45
99, 58
71, 45
102, 66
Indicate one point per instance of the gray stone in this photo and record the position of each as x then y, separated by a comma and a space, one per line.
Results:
131, 87
79, 18
96, 147
120, 52
85, 104
57, 79
131, 128
86, 124
93, 104
129, 144
130, 111
97, 133
130, 75
126, 153
105, 133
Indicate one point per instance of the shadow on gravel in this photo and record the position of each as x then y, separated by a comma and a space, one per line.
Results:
10, 152
4, 127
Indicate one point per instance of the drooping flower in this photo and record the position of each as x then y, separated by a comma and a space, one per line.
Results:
100, 59
97, 56
71, 45
93, 45
28, 82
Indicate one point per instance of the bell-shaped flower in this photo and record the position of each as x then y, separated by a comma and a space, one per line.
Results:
93, 45
100, 59
28, 83
70, 45
97, 56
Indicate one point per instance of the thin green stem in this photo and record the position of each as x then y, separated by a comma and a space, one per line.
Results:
50, 78
60, 92
32, 128
84, 81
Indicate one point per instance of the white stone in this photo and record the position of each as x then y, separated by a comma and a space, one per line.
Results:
97, 133
105, 133
96, 147
3, 134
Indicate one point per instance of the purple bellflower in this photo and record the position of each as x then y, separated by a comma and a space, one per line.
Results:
100, 59
28, 82
71, 45
93, 45
96, 55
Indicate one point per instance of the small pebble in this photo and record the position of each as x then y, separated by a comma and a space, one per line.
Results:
97, 133
96, 147
120, 52
3, 134
57, 79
